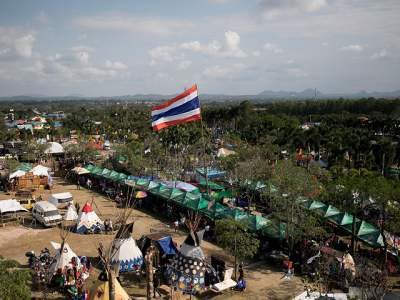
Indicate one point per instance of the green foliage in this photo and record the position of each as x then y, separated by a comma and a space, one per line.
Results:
13, 281
228, 231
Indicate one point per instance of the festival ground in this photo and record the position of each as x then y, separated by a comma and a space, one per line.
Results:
264, 281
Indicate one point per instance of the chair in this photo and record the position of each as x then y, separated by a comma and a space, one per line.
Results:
226, 284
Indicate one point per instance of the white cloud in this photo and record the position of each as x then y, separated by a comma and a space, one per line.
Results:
157, 26
296, 72
116, 65
273, 48
379, 55
290, 61
256, 53
83, 57
324, 44
273, 8
353, 48
228, 49
183, 65
223, 71
24, 45
81, 48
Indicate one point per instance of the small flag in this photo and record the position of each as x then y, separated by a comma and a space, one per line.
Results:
181, 109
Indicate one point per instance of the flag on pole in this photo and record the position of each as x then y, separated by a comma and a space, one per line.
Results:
181, 109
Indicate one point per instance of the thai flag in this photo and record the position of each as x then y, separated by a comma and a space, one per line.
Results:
181, 109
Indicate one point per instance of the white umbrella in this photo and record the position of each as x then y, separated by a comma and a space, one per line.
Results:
40, 170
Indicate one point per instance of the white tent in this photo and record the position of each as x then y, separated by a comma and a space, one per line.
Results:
40, 170
10, 205
63, 256
54, 148
124, 252
88, 220
17, 173
71, 214
60, 198
223, 152
80, 170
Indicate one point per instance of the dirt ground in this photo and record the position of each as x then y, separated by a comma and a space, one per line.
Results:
264, 281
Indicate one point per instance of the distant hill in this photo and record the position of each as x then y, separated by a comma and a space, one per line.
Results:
266, 95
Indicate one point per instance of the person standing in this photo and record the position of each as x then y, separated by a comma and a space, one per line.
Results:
176, 225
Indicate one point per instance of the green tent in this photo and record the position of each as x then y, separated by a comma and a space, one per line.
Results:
331, 211
122, 177
217, 211
152, 185
90, 167
212, 185
177, 195
347, 219
195, 203
26, 167
218, 196
317, 205
256, 222
142, 182
105, 173
274, 229
366, 228
238, 214
164, 191
113, 175
97, 171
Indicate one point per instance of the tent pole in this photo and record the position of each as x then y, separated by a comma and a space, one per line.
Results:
204, 150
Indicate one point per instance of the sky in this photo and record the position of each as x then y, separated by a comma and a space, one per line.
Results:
106, 48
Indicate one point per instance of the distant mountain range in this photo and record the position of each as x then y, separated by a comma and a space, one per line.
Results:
267, 95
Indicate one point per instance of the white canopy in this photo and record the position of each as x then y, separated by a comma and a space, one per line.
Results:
17, 173
80, 170
60, 198
54, 148
223, 152
40, 170
10, 205
62, 258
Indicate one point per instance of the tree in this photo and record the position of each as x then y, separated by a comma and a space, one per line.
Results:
291, 183
13, 280
234, 237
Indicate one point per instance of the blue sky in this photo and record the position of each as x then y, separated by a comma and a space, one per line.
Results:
104, 48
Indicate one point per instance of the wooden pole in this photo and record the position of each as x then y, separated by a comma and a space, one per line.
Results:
204, 151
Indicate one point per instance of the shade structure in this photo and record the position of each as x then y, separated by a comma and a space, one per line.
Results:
105, 172
216, 210
25, 167
122, 177
88, 221
63, 257
177, 195
256, 222
238, 215
16, 174
60, 198
40, 170
274, 228
97, 171
90, 168
80, 170
10, 205
331, 211
194, 202
124, 251
54, 148
114, 176
211, 185
140, 195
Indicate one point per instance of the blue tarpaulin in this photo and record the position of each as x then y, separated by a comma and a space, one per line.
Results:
167, 245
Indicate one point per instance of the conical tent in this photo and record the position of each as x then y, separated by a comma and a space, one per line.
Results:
100, 291
317, 205
63, 256
366, 228
71, 214
331, 211
189, 265
124, 250
274, 229
88, 220
256, 222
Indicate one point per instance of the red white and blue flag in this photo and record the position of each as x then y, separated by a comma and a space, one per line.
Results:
181, 109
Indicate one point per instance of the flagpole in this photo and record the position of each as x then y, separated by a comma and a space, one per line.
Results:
204, 148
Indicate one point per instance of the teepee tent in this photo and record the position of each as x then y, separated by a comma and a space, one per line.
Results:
100, 291
71, 214
63, 257
88, 220
124, 251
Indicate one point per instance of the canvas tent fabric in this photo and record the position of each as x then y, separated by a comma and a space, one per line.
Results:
54, 148
16, 174
124, 251
40, 170
63, 256
211, 185
10, 205
189, 265
88, 220
71, 214
60, 198
100, 291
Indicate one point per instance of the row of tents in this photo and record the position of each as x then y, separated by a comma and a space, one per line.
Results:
210, 207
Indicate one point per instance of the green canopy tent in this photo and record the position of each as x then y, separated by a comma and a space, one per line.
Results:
122, 177
318, 207
26, 167
142, 183
218, 196
331, 211
90, 167
177, 196
113, 175
97, 171
274, 228
105, 173
194, 202
216, 211
212, 185
369, 234
164, 192
256, 222
238, 214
